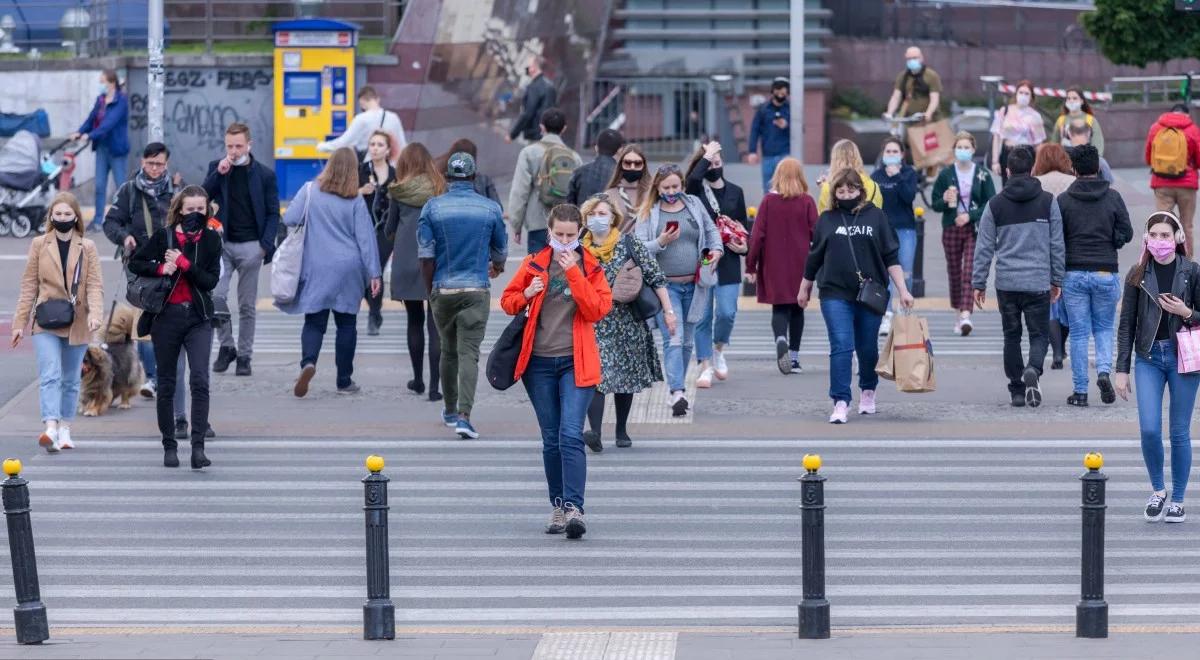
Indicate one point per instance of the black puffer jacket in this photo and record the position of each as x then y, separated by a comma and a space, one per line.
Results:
1095, 225
1140, 314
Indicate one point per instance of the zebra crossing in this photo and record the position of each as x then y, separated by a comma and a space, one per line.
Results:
681, 533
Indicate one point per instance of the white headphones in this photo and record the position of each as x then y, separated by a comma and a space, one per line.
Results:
1154, 219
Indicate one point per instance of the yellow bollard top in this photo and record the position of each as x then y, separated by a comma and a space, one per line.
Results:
375, 463
1093, 461
12, 467
919, 211
812, 462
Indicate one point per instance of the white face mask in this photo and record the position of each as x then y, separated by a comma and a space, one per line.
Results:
243, 160
1074, 106
599, 224
1023, 100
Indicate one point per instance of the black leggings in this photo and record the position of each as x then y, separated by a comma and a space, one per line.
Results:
418, 323
788, 321
623, 403
181, 328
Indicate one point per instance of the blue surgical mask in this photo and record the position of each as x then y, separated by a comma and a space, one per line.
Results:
671, 198
963, 155
890, 161
914, 64
103, 89
599, 224
563, 247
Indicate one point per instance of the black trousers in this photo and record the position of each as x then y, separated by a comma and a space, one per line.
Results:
788, 321
375, 303
182, 328
1034, 308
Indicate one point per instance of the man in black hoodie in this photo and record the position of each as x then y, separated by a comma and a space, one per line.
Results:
1095, 225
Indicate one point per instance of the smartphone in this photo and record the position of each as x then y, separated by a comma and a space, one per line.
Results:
673, 225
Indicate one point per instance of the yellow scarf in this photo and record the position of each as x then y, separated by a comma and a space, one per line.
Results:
602, 252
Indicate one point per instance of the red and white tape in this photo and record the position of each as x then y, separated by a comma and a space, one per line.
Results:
1056, 93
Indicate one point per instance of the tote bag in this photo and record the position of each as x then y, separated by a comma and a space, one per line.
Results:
285, 267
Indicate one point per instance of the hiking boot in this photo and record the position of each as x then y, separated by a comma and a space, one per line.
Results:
575, 526
1107, 393
225, 357
243, 367
1077, 399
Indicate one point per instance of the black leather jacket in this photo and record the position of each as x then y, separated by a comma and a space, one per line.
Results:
1140, 314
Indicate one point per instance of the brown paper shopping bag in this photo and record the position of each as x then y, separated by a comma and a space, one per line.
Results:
932, 144
912, 354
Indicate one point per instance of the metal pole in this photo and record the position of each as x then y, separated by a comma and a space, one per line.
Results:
379, 615
208, 28
814, 609
796, 84
918, 271
30, 613
1091, 614
154, 73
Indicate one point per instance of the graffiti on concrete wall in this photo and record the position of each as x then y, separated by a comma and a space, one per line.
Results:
198, 104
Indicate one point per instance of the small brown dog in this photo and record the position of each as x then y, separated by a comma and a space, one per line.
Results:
109, 374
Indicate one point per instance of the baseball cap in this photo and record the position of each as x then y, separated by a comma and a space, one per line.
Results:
780, 82
460, 166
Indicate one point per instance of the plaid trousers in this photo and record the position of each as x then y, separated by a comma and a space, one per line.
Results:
959, 244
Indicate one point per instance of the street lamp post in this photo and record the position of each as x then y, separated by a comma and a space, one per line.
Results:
154, 73
796, 84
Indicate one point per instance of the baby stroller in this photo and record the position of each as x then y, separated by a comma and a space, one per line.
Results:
29, 180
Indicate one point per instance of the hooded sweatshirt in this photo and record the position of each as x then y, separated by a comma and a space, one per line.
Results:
1095, 225
1022, 228
1184, 123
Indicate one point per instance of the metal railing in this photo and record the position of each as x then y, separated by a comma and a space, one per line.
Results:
213, 22
667, 116
1155, 89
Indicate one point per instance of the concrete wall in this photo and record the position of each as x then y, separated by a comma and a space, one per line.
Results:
66, 95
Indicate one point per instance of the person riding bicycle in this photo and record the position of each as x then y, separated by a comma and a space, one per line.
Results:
918, 88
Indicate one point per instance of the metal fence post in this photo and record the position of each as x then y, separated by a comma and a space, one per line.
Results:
814, 609
30, 613
918, 272
1091, 614
379, 614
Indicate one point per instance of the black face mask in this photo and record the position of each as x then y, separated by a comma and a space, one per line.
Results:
528, 71
192, 222
714, 173
780, 100
848, 204
632, 176
64, 226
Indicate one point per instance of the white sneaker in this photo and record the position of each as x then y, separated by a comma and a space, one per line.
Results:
885, 328
721, 369
965, 326
958, 327
148, 389
840, 411
64, 438
48, 440
705, 380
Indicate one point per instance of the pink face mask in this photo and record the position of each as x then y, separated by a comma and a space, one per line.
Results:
1159, 248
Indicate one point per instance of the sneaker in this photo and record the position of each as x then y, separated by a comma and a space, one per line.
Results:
866, 403
558, 521
575, 526
352, 388
1107, 393
840, 410
1078, 400
48, 440
705, 380
965, 326
1018, 399
148, 389
464, 429
796, 368
1155, 506
181, 428
782, 358
592, 440
885, 327
1175, 513
720, 368
1033, 391
958, 327
243, 367
306, 375
64, 438
225, 357
679, 405
450, 419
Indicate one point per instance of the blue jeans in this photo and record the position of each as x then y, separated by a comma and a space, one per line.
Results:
312, 335
716, 330
106, 164
677, 348
1150, 376
59, 365
769, 163
560, 406
852, 329
908, 256
1091, 302
537, 239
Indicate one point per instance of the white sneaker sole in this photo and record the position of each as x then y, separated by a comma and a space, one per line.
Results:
1175, 520
1157, 518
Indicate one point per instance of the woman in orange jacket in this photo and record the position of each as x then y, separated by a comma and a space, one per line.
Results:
564, 290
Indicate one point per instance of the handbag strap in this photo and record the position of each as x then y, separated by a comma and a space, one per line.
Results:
853, 257
75, 281
307, 197
146, 217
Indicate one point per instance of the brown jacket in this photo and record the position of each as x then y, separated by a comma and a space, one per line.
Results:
123, 324
43, 280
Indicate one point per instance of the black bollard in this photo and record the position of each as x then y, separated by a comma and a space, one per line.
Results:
814, 609
918, 272
1091, 614
30, 613
379, 614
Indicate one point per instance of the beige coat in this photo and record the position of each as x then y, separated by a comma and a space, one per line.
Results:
43, 280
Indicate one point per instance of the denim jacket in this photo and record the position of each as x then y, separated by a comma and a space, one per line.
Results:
462, 231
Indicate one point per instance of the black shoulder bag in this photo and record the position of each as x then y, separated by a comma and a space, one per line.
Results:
150, 293
59, 313
871, 294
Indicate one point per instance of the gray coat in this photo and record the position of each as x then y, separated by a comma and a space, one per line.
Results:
340, 254
407, 281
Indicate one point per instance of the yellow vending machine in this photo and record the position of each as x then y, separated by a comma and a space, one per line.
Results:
314, 94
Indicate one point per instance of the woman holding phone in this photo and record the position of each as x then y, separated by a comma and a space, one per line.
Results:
1162, 292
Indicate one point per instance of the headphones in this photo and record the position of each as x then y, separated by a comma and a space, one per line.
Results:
1158, 217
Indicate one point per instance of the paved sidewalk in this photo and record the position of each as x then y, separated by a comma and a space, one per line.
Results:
618, 645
